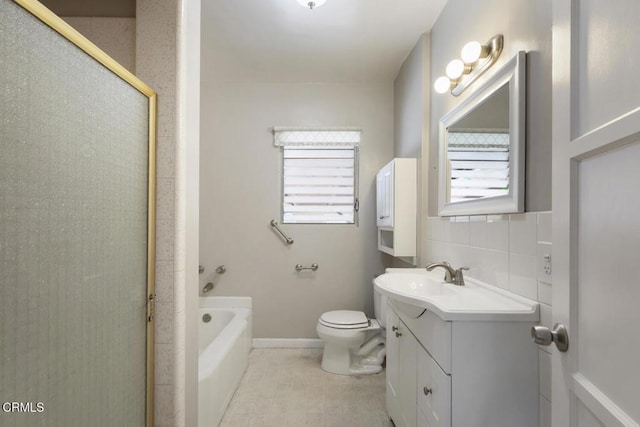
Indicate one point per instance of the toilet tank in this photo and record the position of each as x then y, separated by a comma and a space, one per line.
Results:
380, 308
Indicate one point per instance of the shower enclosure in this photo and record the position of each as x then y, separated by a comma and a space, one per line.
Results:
77, 182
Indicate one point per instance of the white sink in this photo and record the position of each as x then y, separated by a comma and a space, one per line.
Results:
474, 301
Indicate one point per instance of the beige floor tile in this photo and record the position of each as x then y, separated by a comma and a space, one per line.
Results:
286, 387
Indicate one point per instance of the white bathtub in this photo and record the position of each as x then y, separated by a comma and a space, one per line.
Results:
225, 343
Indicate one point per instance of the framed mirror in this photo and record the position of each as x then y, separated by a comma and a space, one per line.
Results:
482, 147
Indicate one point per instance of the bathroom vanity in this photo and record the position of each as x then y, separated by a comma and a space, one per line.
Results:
458, 355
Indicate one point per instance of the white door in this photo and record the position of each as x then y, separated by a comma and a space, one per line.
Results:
596, 199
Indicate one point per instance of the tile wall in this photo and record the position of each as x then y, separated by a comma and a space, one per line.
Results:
156, 65
507, 251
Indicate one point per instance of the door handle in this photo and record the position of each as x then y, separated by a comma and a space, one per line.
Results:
545, 336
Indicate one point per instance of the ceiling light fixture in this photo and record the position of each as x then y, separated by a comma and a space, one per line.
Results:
476, 59
311, 4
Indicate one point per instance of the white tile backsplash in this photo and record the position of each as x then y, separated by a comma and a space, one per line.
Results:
498, 232
501, 250
544, 227
458, 230
461, 256
494, 268
505, 251
544, 292
436, 251
523, 275
523, 233
478, 231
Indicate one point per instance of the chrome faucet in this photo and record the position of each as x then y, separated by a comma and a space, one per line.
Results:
450, 274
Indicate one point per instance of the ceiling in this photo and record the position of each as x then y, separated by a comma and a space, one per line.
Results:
342, 41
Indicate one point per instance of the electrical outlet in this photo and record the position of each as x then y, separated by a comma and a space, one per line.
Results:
545, 259
547, 263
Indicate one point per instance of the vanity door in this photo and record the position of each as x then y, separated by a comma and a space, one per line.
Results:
596, 273
401, 372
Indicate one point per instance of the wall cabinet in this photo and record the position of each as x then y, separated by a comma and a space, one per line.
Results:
459, 373
396, 207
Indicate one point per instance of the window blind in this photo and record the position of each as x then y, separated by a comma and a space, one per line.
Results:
319, 185
478, 164
319, 175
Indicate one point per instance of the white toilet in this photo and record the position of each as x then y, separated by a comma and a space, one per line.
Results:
353, 344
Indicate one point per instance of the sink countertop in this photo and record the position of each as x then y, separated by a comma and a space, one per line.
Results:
476, 301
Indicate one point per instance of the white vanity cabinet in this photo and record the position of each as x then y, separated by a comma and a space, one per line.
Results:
459, 373
402, 351
396, 202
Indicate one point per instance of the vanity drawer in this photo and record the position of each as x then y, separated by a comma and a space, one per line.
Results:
433, 333
434, 392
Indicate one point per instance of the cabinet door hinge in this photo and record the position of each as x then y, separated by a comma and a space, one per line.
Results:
356, 205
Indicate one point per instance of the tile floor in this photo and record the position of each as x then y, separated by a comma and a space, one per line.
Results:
286, 387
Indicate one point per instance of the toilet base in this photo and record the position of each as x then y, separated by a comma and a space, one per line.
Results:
336, 360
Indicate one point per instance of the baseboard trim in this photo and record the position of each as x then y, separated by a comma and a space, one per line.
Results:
287, 343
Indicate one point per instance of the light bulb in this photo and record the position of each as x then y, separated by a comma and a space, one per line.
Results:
442, 84
455, 69
473, 51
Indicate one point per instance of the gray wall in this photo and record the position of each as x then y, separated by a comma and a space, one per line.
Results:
409, 102
526, 25
92, 8
411, 126
116, 36
240, 192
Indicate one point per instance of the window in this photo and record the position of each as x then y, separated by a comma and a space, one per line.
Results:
319, 171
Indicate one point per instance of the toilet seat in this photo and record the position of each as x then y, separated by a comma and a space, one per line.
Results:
345, 319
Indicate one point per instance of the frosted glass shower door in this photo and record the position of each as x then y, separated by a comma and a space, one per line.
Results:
77, 166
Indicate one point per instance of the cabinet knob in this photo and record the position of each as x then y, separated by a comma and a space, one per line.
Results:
394, 328
398, 334
427, 391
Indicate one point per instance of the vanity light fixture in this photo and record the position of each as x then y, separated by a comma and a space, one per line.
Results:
456, 68
476, 59
311, 4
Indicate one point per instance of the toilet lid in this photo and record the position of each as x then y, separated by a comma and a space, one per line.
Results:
347, 319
